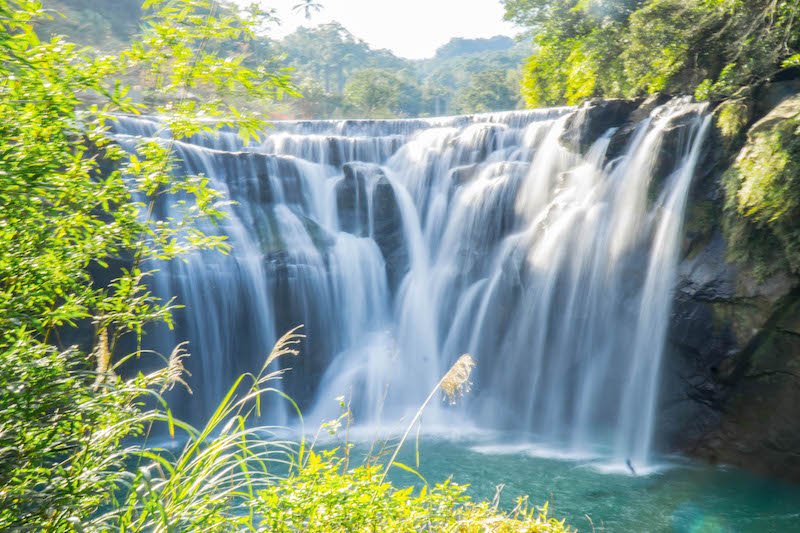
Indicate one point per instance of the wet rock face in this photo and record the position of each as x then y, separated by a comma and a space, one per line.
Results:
736, 355
732, 386
367, 207
593, 119
351, 198
387, 224
669, 151
292, 296
621, 138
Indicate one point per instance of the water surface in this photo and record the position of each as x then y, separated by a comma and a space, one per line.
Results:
676, 496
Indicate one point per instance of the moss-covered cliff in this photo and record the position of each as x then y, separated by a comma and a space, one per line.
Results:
734, 379
731, 386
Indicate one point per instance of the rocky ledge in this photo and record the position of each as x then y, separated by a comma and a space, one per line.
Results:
731, 391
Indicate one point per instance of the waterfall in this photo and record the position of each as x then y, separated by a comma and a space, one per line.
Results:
401, 244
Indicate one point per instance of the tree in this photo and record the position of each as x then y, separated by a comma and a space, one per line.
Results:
489, 90
459, 46
380, 92
308, 7
328, 52
76, 213
628, 48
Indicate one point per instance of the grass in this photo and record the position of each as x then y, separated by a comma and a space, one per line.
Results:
233, 475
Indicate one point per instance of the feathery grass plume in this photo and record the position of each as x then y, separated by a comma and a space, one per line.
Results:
214, 479
103, 355
284, 347
454, 384
174, 372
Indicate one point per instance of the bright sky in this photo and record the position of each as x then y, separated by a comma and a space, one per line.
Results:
410, 28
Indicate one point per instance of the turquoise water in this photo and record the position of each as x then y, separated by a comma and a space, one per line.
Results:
676, 496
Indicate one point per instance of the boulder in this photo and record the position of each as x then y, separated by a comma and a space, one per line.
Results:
673, 147
387, 224
592, 120
464, 174
621, 138
351, 197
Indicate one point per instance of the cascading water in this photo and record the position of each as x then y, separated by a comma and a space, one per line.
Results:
402, 244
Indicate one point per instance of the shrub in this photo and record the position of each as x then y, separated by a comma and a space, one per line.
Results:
233, 476
325, 496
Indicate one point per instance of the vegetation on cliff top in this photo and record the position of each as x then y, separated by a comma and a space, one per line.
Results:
714, 49
629, 48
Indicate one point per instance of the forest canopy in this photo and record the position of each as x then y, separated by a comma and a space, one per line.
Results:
629, 48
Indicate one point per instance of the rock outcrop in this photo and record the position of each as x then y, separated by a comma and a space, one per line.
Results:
735, 332
593, 119
731, 386
351, 197
367, 207
387, 228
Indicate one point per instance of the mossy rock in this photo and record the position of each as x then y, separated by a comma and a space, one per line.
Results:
701, 221
272, 243
762, 191
731, 119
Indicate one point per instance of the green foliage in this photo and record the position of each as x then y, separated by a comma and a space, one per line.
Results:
628, 48
341, 74
211, 483
381, 93
458, 47
329, 54
60, 448
731, 119
73, 203
763, 199
324, 60
233, 476
324, 495
577, 49
447, 77
490, 90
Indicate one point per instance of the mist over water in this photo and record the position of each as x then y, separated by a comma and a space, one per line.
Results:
402, 244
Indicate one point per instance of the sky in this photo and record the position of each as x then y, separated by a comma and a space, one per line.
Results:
412, 29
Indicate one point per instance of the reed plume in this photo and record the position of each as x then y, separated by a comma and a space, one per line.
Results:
455, 383
103, 355
173, 373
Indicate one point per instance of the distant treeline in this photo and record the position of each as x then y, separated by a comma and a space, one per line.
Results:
338, 74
